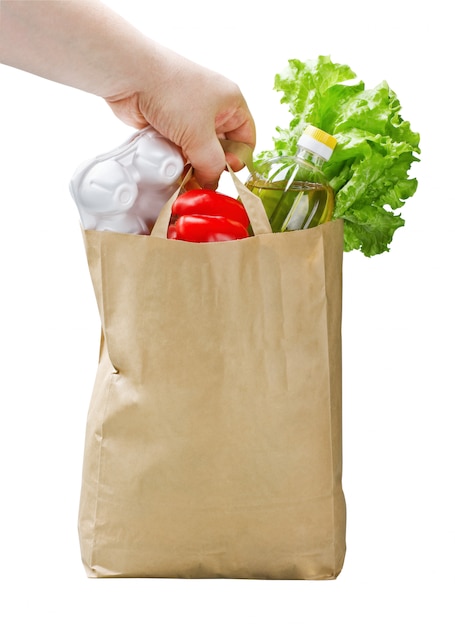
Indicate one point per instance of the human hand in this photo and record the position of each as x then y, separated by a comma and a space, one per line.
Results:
193, 107
143, 82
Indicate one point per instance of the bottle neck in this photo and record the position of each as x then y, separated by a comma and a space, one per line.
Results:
310, 156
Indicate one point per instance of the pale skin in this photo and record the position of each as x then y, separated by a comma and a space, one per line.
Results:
84, 44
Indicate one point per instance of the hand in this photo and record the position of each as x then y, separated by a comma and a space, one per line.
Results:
86, 45
193, 107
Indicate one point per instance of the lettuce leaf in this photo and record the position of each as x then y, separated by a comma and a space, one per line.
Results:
369, 169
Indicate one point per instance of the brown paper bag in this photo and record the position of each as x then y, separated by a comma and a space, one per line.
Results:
213, 444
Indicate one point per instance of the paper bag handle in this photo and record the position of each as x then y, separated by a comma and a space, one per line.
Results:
259, 221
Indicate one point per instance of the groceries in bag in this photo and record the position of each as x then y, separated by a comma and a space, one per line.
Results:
295, 192
372, 169
204, 216
124, 190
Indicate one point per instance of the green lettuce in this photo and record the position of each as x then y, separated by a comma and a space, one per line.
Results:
369, 168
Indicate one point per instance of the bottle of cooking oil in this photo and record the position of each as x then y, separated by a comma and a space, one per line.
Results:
294, 191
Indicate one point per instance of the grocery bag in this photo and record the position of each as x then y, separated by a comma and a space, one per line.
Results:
214, 436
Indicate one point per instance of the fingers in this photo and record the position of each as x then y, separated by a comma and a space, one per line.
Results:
234, 161
241, 128
208, 161
201, 108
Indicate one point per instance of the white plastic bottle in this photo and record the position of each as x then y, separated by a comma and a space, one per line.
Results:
124, 190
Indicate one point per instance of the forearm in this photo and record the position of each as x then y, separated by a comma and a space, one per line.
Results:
83, 44
79, 43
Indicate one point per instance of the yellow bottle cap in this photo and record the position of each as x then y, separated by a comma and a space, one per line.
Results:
318, 141
320, 135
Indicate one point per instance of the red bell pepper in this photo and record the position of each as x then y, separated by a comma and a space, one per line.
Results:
209, 202
204, 215
206, 228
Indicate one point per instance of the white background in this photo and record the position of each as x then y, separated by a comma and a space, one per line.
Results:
398, 338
